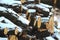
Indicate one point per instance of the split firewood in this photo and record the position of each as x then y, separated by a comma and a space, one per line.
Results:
51, 24
5, 31
16, 31
39, 22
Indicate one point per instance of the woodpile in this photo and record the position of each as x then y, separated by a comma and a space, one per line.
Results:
34, 22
